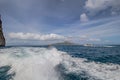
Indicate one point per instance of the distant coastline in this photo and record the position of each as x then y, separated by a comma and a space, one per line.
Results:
64, 43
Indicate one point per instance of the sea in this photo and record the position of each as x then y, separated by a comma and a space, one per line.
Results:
60, 62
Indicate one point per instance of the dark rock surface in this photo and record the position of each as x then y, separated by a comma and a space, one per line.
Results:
2, 38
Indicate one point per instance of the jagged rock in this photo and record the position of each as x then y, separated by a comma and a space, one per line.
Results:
2, 38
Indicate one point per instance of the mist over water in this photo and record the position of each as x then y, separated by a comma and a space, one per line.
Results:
38, 63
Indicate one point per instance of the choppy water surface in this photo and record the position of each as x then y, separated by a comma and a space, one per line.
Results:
60, 63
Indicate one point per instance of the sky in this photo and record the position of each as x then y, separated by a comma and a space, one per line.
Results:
36, 22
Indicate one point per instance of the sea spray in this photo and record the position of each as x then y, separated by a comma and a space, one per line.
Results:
31, 63
36, 63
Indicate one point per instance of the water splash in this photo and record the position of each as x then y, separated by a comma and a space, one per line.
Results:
35, 63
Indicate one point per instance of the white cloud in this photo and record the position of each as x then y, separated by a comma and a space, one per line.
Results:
94, 39
88, 38
83, 17
94, 6
34, 36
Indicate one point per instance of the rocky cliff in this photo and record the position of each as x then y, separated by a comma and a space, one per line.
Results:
2, 38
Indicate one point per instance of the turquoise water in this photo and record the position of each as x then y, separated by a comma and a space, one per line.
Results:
60, 63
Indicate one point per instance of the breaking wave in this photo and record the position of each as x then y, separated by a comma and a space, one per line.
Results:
35, 63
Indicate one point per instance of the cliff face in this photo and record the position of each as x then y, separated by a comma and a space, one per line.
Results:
2, 38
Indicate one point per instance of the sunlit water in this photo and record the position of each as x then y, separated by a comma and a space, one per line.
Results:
60, 63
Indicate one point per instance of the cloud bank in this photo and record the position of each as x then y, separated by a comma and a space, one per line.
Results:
34, 36
95, 6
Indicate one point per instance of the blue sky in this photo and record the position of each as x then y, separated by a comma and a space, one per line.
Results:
48, 21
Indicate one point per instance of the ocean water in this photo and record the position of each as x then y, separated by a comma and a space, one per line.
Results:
60, 63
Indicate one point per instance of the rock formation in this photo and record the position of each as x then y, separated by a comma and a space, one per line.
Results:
2, 38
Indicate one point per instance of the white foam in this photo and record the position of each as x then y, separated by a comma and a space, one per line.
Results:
31, 63
38, 64
97, 70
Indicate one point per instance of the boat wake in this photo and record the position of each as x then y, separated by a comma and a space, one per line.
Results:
35, 63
